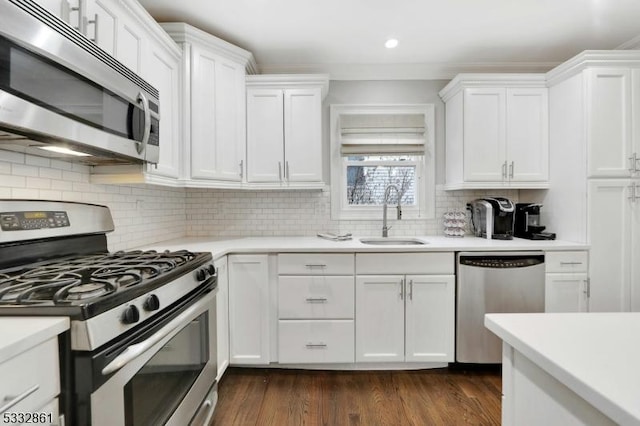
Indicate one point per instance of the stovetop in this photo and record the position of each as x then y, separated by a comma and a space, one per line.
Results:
86, 285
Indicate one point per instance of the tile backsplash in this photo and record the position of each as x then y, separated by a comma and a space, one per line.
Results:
143, 214
256, 213
146, 214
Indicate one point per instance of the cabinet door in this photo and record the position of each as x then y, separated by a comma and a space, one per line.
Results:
635, 249
265, 135
162, 70
248, 309
608, 118
217, 119
527, 120
430, 318
60, 8
303, 135
222, 316
565, 293
101, 23
379, 318
484, 135
130, 43
610, 240
634, 158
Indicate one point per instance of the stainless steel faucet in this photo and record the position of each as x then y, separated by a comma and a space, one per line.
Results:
385, 228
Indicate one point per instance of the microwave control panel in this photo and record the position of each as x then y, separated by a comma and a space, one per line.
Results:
26, 221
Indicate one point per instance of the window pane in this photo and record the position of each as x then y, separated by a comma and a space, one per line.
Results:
366, 184
381, 158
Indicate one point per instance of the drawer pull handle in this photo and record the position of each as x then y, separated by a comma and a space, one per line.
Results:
316, 345
316, 300
316, 265
570, 263
13, 400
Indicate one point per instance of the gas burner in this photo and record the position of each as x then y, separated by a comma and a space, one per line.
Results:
83, 291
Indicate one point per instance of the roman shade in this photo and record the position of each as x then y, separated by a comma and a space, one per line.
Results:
392, 134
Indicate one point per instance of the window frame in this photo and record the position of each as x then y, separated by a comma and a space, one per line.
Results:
425, 165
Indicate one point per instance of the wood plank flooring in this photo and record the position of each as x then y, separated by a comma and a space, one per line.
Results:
448, 396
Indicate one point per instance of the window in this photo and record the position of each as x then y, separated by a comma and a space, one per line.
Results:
374, 147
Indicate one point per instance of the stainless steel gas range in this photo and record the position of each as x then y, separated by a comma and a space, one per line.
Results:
142, 345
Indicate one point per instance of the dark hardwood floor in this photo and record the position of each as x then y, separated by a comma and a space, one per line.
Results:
448, 396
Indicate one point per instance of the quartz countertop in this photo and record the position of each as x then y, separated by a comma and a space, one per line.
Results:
17, 334
222, 246
593, 354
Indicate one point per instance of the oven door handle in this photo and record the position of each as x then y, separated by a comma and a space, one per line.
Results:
134, 351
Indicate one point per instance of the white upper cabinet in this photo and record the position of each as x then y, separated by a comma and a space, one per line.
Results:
214, 107
497, 132
609, 122
284, 130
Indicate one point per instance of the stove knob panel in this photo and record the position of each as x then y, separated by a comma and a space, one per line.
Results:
201, 274
211, 269
152, 303
130, 315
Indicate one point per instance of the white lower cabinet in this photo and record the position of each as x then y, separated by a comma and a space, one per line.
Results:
315, 308
249, 313
222, 316
405, 317
567, 285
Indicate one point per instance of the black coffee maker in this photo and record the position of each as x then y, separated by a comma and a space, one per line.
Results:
527, 223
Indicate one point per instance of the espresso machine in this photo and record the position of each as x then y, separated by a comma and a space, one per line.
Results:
527, 223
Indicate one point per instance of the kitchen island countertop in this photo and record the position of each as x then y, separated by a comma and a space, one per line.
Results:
223, 246
595, 355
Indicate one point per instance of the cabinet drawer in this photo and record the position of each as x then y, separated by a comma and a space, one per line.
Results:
405, 263
315, 341
33, 373
315, 297
315, 264
566, 261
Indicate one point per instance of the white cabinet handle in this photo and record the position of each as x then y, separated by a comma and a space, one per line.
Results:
80, 11
587, 287
410, 289
402, 289
570, 263
286, 170
280, 170
316, 300
504, 170
316, 345
93, 22
11, 401
241, 168
511, 168
634, 163
315, 265
634, 196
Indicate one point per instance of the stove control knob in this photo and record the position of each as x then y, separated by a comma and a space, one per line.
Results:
201, 274
130, 315
152, 303
211, 270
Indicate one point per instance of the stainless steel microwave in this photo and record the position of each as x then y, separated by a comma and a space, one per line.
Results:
62, 96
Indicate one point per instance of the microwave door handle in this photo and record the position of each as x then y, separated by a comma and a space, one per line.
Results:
141, 146
134, 351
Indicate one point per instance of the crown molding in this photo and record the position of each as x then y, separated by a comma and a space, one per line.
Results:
290, 81
182, 32
407, 71
590, 59
467, 80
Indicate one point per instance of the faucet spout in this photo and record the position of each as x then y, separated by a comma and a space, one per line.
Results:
385, 228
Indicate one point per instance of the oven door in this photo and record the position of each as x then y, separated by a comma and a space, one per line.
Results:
167, 378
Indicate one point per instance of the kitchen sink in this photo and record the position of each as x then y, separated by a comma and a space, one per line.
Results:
391, 241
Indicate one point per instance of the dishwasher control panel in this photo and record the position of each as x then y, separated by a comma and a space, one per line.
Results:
502, 262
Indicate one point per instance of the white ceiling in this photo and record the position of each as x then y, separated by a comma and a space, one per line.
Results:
438, 38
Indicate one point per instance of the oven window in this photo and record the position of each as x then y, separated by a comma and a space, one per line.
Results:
154, 393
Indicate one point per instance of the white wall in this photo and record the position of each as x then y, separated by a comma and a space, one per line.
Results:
142, 214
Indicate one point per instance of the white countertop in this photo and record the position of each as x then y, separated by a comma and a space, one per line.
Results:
17, 334
595, 355
222, 246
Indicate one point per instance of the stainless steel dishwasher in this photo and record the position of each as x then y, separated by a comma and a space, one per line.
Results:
493, 283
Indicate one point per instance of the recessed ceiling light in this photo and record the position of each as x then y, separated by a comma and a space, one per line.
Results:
391, 43
63, 150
